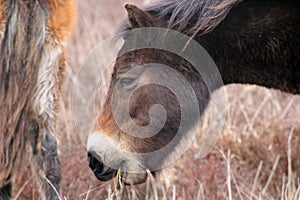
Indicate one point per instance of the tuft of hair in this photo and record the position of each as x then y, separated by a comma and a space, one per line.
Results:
191, 17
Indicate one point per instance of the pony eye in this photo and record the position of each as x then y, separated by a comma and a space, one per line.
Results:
125, 82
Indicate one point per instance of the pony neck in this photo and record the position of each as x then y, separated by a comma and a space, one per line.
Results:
257, 44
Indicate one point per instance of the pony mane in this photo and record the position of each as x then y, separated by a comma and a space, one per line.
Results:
191, 17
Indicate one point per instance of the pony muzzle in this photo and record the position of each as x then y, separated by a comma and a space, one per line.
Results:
106, 159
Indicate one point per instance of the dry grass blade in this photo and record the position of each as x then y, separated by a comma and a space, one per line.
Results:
290, 184
110, 195
287, 108
53, 188
246, 116
174, 192
298, 193
147, 189
259, 109
21, 190
96, 188
163, 193
200, 194
228, 177
87, 194
236, 185
255, 183
153, 183
283, 187
271, 175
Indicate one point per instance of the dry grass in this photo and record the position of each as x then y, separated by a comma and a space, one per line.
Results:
257, 156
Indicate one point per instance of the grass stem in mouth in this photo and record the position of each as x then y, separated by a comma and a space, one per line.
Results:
119, 185
120, 182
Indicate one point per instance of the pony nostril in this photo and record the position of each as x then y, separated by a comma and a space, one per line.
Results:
95, 164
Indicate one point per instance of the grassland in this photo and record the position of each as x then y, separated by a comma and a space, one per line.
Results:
257, 156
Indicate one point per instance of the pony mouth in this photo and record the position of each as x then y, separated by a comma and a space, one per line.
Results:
107, 175
125, 178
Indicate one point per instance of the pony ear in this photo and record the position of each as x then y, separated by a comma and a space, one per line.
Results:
139, 18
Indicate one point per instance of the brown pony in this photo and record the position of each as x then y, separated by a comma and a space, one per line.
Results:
251, 42
32, 61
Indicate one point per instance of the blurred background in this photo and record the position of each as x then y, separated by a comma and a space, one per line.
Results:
256, 157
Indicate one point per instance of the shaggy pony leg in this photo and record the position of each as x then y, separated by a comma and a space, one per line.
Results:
46, 167
5, 192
